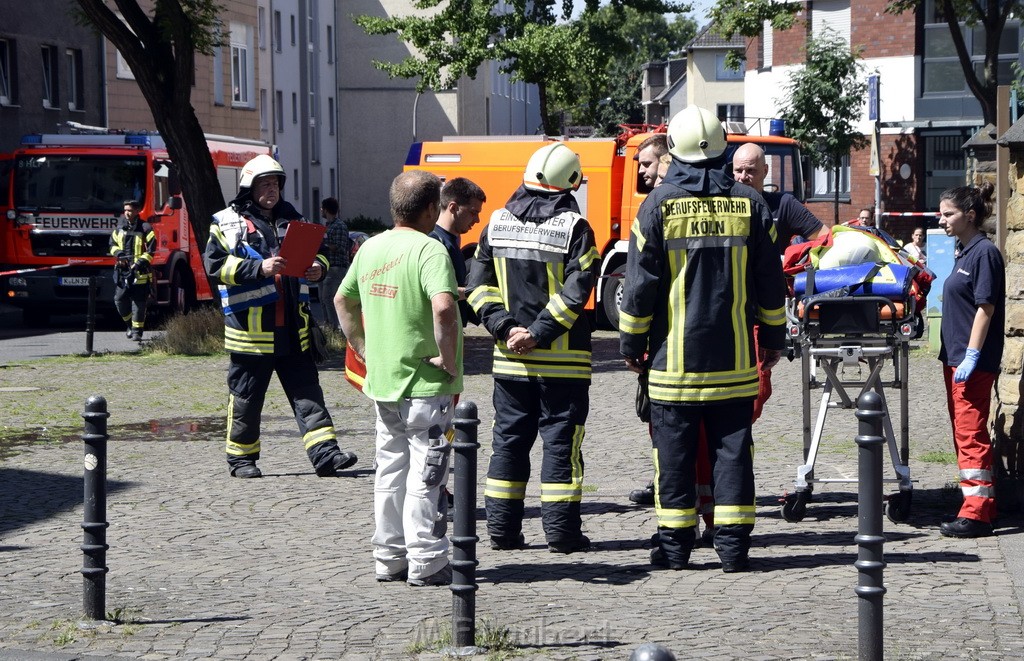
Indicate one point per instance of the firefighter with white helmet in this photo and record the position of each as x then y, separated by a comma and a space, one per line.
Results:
267, 322
702, 269
534, 271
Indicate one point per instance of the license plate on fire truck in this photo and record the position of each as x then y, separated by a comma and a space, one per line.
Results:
75, 282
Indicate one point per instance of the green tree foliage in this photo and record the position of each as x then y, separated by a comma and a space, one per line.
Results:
160, 46
823, 104
746, 17
633, 39
534, 42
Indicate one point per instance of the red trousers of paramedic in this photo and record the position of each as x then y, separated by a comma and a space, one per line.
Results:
705, 488
968, 404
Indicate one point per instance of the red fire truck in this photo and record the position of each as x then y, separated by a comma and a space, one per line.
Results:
64, 197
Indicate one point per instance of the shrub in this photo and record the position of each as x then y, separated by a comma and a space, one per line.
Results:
199, 332
369, 225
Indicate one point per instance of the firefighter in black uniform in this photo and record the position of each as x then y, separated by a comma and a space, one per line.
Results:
702, 270
267, 322
535, 268
133, 244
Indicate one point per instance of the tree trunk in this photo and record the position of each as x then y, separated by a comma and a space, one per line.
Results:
161, 55
549, 123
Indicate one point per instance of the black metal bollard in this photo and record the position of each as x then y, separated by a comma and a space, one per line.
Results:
94, 544
90, 316
870, 562
464, 537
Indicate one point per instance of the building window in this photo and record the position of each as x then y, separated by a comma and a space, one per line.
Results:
292, 17
831, 15
330, 45
295, 178
730, 112
334, 192
331, 123
75, 83
261, 18
7, 69
942, 73
241, 65
824, 184
279, 110
263, 109
51, 98
277, 31
218, 75
723, 72
295, 108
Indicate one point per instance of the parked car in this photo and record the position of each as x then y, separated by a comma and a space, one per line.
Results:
358, 239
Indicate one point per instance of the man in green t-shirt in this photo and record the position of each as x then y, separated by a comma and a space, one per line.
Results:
398, 308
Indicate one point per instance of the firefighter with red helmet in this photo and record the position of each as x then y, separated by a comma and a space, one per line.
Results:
267, 322
535, 268
702, 269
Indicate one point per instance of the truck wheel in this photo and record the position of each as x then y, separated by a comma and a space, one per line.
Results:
183, 292
611, 298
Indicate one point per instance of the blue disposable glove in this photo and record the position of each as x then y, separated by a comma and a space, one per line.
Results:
963, 372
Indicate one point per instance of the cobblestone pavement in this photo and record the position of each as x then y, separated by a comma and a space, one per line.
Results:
207, 567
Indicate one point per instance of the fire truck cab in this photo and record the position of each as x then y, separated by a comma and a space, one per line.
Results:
610, 196
66, 195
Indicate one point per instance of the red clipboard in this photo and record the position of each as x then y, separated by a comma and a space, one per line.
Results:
300, 245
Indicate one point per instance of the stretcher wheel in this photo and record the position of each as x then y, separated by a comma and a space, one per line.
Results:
897, 508
795, 507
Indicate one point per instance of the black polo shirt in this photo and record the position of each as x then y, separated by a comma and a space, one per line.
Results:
791, 218
978, 277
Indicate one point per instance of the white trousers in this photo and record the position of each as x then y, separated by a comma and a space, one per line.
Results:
411, 525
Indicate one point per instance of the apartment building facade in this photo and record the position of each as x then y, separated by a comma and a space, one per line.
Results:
926, 110
296, 74
51, 72
381, 117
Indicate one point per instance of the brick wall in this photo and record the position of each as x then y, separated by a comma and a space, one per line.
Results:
881, 34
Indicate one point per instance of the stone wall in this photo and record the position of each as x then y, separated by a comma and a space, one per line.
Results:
1008, 414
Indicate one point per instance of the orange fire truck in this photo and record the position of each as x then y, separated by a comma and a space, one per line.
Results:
65, 196
609, 197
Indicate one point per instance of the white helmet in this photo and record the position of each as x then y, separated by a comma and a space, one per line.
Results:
850, 248
258, 167
553, 168
695, 134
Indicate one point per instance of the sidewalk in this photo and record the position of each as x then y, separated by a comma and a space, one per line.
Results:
207, 567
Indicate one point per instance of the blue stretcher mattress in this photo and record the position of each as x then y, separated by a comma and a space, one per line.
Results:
892, 281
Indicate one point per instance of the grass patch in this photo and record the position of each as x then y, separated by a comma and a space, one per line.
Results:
938, 457
495, 640
196, 333
124, 615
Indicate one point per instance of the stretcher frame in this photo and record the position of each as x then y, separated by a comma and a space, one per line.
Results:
828, 334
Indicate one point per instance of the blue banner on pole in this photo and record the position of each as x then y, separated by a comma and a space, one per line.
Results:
873, 98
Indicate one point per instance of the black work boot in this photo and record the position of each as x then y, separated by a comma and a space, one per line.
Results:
246, 470
338, 462
966, 528
644, 496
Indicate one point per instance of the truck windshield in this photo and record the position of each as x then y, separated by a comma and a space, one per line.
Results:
78, 183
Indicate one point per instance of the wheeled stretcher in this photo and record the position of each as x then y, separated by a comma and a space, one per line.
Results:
834, 336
